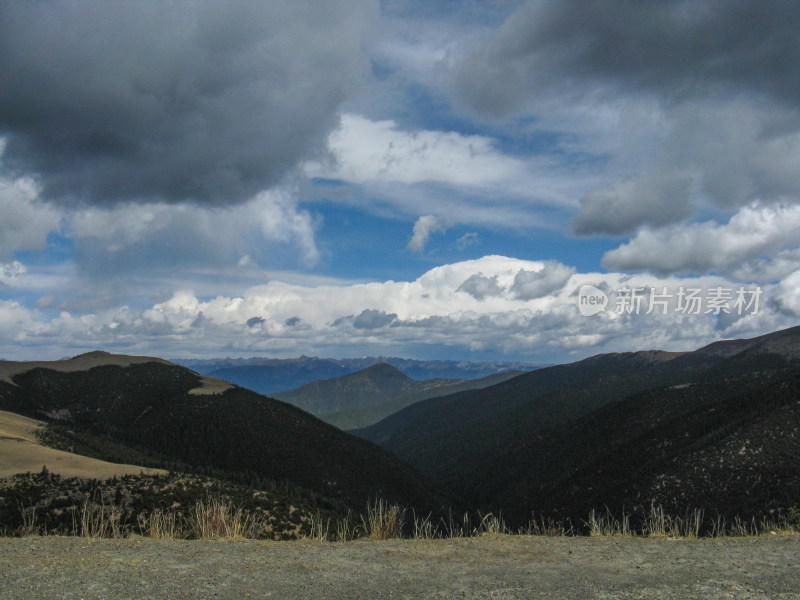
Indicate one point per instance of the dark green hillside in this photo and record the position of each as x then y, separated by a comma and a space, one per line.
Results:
473, 441
49, 504
358, 418
148, 407
373, 385
729, 446
448, 437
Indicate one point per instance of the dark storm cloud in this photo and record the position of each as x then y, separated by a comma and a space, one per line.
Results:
677, 49
721, 75
207, 102
654, 200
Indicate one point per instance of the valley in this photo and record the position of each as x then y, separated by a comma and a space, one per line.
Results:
715, 431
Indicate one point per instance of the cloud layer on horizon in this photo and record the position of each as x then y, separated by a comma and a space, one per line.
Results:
493, 304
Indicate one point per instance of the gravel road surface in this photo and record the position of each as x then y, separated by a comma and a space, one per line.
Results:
490, 566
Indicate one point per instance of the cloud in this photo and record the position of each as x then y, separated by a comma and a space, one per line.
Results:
111, 102
25, 222
126, 238
463, 178
674, 49
739, 150
423, 228
727, 154
681, 105
630, 203
46, 301
753, 245
373, 319
9, 272
535, 284
480, 286
254, 321
788, 294
470, 238
367, 151
527, 314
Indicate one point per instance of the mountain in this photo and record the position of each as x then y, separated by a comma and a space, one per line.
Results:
168, 415
442, 369
619, 429
373, 385
206, 366
278, 375
364, 416
729, 445
450, 435
270, 376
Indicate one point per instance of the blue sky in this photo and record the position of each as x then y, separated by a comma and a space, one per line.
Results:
423, 179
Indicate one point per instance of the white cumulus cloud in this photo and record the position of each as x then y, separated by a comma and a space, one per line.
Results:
758, 242
423, 228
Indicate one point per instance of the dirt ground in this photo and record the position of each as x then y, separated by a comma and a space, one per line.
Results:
486, 567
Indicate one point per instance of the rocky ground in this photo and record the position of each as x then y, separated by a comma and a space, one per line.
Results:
489, 566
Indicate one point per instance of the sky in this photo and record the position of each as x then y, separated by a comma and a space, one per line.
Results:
505, 180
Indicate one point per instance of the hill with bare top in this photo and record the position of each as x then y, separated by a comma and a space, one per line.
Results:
152, 412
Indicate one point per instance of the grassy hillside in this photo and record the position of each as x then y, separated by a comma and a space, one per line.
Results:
21, 451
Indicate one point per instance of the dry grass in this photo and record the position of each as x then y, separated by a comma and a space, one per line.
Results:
491, 524
212, 518
160, 525
660, 524
21, 451
424, 528
30, 525
549, 527
210, 386
383, 521
101, 521
606, 525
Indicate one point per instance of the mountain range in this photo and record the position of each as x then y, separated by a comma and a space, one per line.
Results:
717, 428
270, 376
359, 399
